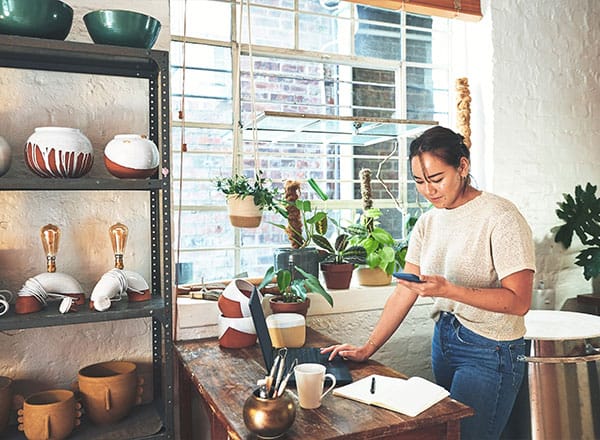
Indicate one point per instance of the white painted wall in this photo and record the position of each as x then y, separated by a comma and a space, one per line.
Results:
533, 70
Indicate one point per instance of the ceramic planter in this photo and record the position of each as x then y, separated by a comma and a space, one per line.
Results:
337, 276
59, 152
49, 415
243, 213
236, 332
131, 156
234, 302
278, 306
5, 156
375, 276
109, 390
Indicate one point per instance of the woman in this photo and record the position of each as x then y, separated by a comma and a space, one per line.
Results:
474, 253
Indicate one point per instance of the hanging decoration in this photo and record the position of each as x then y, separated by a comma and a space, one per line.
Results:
463, 106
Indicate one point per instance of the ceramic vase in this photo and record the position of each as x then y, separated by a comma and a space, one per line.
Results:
49, 415
337, 276
59, 152
236, 332
5, 156
5, 401
234, 302
131, 156
243, 213
109, 390
269, 418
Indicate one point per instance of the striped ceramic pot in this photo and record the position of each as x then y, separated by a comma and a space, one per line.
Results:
59, 152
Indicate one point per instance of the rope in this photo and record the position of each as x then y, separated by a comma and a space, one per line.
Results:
463, 105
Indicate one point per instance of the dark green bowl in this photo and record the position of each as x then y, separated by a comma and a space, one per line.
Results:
122, 28
36, 18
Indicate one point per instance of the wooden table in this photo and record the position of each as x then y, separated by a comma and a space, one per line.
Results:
224, 378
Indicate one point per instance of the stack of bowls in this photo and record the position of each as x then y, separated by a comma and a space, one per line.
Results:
36, 18
122, 28
236, 328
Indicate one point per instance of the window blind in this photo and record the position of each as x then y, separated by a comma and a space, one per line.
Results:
469, 10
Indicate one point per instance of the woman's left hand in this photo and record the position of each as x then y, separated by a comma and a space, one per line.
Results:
431, 285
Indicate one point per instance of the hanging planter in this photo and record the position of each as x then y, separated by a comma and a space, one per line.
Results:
247, 200
243, 212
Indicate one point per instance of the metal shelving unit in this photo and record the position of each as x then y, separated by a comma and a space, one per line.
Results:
153, 65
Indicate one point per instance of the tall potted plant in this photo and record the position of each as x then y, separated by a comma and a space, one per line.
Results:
247, 199
293, 292
581, 216
303, 221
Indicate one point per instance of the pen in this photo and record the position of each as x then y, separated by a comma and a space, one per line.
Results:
373, 385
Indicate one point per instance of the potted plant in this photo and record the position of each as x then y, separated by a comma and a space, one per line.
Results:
246, 199
581, 216
340, 260
293, 296
303, 221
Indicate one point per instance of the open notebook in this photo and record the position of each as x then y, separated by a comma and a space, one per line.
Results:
407, 396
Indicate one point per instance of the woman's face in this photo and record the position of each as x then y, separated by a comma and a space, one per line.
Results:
438, 182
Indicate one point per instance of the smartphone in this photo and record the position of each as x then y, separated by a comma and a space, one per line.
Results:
407, 277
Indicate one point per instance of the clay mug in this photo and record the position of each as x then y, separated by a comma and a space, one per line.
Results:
5, 401
109, 390
49, 415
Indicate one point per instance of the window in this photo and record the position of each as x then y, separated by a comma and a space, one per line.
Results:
307, 56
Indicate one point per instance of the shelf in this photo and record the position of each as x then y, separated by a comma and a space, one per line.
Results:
34, 183
69, 56
143, 422
50, 316
299, 128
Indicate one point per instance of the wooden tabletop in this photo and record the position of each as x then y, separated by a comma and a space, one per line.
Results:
224, 378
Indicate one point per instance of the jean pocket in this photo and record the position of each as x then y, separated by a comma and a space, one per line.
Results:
469, 337
516, 351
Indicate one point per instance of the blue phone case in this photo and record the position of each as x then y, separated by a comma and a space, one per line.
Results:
407, 277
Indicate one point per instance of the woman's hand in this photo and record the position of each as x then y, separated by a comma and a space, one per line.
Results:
348, 351
432, 285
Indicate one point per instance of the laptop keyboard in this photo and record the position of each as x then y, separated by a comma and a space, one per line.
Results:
307, 355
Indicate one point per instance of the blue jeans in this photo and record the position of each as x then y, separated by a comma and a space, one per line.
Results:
480, 372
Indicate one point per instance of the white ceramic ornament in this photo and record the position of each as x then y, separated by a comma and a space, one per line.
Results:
131, 156
59, 152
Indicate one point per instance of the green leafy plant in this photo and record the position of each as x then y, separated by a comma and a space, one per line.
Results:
581, 215
340, 252
265, 195
303, 220
295, 290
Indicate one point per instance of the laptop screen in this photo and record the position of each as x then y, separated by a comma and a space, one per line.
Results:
260, 325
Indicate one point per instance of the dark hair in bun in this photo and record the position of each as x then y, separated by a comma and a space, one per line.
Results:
441, 142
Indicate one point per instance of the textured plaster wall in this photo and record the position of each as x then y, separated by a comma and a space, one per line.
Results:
101, 107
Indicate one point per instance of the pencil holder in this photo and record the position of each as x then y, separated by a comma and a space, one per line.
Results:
269, 418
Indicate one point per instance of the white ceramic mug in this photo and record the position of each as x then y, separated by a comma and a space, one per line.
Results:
310, 379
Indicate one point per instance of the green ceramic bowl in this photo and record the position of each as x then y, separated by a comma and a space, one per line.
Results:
36, 18
122, 28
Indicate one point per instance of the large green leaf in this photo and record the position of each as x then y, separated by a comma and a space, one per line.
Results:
314, 285
269, 274
323, 243
590, 260
284, 278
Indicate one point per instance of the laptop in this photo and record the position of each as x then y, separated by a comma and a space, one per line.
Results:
337, 366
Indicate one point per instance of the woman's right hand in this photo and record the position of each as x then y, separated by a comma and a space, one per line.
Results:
348, 352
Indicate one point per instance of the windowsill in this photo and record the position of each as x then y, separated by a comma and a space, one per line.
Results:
197, 318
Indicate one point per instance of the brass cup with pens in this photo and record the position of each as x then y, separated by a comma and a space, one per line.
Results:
271, 409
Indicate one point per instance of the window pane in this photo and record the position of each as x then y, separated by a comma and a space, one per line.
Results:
270, 27
201, 24
324, 34
379, 33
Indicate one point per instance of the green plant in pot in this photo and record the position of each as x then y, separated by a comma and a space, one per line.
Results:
246, 199
303, 220
581, 216
293, 292
340, 260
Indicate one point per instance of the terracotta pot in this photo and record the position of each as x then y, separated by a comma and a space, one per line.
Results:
234, 302
337, 276
131, 156
5, 156
5, 401
59, 152
269, 418
236, 332
368, 276
278, 306
27, 304
109, 390
49, 415
243, 213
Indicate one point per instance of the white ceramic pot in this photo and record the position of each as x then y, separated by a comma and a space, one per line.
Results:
5, 156
243, 213
131, 156
59, 152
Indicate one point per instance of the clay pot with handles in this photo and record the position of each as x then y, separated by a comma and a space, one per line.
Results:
109, 390
49, 415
